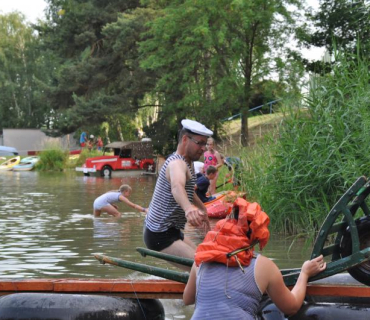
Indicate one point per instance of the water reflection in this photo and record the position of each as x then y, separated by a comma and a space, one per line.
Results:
47, 230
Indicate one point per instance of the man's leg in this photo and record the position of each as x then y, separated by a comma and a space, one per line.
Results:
181, 248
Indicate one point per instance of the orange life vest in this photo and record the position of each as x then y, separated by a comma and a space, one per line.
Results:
230, 234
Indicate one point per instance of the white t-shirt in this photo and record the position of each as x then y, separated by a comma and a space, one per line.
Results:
198, 167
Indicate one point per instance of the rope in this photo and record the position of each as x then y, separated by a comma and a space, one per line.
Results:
137, 298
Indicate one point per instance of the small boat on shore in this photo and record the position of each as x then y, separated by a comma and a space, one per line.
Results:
26, 164
9, 164
33, 159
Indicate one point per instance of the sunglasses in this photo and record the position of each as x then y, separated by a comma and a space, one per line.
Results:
199, 143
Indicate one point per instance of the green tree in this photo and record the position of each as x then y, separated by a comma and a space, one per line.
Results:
343, 24
98, 77
209, 54
23, 71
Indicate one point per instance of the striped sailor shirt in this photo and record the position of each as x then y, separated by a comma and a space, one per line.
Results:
164, 212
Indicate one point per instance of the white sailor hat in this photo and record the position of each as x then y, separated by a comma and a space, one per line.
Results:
196, 127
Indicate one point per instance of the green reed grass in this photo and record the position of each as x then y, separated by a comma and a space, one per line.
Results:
53, 158
321, 150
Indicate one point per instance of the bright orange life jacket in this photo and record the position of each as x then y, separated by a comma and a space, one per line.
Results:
231, 234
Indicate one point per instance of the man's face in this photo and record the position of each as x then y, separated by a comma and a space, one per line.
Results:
196, 145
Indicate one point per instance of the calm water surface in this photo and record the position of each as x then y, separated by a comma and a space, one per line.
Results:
47, 230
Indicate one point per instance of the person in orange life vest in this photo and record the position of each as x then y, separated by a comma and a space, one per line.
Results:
174, 201
212, 158
203, 182
227, 283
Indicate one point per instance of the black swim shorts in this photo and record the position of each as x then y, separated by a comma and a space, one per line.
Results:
161, 240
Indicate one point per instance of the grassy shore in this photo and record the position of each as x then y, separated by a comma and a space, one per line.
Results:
299, 169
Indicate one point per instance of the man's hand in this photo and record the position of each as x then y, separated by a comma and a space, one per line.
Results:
196, 217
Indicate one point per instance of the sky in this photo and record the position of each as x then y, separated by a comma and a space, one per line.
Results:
34, 9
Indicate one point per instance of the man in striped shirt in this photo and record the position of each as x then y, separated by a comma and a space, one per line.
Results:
174, 200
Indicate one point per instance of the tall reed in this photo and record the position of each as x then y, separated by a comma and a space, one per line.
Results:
320, 152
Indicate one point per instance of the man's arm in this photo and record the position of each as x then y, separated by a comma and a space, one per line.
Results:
199, 203
176, 174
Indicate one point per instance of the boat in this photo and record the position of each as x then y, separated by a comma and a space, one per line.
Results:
217, 208
33, 159
338, 297
68, 299
10, 163
220, 207
341, 291
26, 164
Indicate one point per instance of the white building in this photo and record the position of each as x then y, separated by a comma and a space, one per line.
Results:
31, 141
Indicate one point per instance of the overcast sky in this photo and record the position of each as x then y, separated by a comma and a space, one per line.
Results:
32, 9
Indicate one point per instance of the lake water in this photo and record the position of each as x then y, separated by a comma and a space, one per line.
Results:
47, 230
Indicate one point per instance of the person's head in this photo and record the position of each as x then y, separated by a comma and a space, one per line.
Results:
211, 172
193, 139
125, 189
210, 144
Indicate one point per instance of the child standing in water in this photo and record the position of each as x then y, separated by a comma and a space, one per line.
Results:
105, 203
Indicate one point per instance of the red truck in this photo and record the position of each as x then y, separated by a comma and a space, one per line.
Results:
122, 155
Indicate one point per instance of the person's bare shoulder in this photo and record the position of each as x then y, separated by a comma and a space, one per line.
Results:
176, 167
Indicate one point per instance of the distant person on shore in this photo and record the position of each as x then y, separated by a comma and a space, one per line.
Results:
90, 143
99, 143
174, 200
234, 166
212, 158
203, 183
83, 139
106, 202
227, 282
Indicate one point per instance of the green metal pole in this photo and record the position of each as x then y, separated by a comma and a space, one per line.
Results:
160, 272
164, 256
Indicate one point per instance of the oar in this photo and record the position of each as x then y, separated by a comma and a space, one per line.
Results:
290, 275
222, 184
164, 256
155, 271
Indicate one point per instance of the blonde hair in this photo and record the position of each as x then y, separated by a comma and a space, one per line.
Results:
124, 187
211, 140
